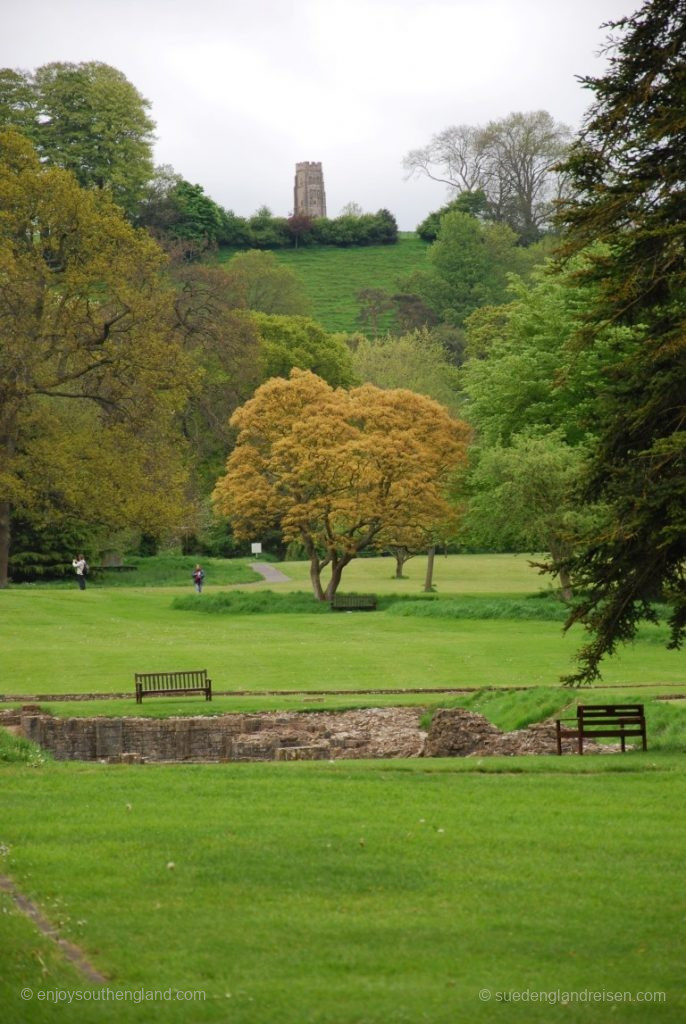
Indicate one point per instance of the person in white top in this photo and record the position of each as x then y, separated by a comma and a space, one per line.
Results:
81, 570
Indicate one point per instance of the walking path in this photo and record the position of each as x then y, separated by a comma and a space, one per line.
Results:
270, 574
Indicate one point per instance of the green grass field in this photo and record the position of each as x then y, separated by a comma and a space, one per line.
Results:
361, 892
350, 893
333, 276
65, 641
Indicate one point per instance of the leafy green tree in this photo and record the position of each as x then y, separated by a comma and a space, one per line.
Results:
532, 399
179, 215
18, 102
88, 119
157, 210
522, 498
415, 361
469, 263
199, 220
216, 333
235, 231
91, 378
349, 229
525, 375
383, 228
45, 552
267, 231
265, 285
627, 170
474, 203
288, 342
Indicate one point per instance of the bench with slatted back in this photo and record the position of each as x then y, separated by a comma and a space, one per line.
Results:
172, 684
353, 603
594, 720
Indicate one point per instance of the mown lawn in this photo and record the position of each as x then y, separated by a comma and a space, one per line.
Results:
65, 641
69, 642
346, 893
351, 893
333, 276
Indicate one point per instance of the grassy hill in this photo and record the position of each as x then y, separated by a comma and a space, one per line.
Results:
333, 276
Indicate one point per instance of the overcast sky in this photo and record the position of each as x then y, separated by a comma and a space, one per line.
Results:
241, 90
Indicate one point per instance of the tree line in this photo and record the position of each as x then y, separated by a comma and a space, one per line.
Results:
90, 120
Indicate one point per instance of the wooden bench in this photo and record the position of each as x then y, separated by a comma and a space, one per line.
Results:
172, 684
594, 720
353, 603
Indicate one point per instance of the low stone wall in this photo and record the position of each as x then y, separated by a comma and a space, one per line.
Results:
376, 732
288, 736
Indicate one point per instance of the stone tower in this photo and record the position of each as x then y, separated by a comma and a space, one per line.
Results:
309, 197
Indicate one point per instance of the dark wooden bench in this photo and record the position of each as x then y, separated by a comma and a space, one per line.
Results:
172, 684
594, 720
353, 603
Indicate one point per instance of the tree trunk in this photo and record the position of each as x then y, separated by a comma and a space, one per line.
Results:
429, 579
401, 556
4, 543
337, 567
315, 577
565, 585
399, 563
559, 553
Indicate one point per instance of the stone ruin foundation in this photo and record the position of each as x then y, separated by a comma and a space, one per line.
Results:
285, 736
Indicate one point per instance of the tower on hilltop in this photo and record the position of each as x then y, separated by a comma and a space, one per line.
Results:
309, 197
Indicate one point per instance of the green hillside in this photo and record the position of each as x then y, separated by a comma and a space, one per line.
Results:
333, 276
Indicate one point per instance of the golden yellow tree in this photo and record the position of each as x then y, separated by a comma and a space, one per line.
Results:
91, 376
339, 471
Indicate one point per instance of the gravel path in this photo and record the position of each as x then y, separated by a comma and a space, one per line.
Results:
270, 574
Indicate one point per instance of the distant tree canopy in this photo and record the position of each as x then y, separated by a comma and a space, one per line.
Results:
338, 471
416, 361
512, 161
265, 285
474, 203
468, 267
179, 215
89, 363
627, 171
85, 118
296, 341
532, 399
264, 231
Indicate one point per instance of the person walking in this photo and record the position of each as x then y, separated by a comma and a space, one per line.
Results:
81, 567
198, 577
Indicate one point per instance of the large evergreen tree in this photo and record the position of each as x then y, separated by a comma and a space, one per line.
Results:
628, 175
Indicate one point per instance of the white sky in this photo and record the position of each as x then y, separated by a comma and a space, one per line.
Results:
243, 89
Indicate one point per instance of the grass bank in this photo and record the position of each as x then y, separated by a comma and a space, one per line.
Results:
332, 276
